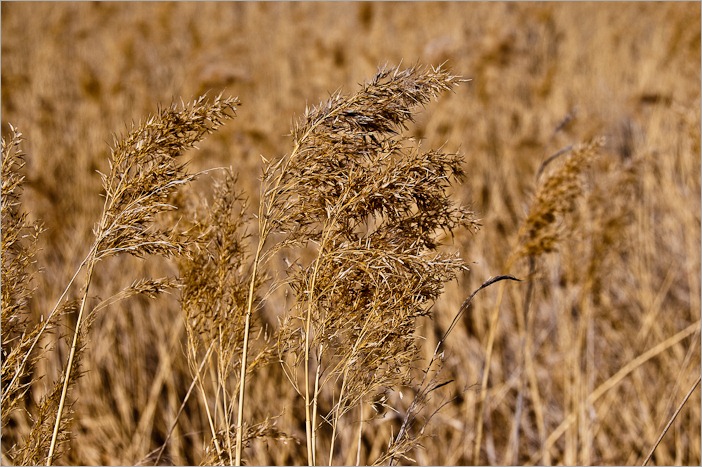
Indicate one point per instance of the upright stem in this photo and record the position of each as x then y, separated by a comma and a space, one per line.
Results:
486, 373
308, 342
529, 364
310, 418
210, 419
314, 401
185, 400
71, 357
360, 432
265, 207
90, 262
245, 347
335, 419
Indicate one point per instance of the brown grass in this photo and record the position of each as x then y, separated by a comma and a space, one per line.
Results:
345, 244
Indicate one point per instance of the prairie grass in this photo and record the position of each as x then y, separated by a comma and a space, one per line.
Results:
317, 301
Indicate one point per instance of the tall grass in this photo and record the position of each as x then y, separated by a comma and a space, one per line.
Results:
314, 304
144, 173
370, 201
371, 204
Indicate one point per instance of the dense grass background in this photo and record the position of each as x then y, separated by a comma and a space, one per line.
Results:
625, 279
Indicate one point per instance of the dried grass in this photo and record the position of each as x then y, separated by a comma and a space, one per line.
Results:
589, 360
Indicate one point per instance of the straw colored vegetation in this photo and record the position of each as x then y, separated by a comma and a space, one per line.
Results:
434, 233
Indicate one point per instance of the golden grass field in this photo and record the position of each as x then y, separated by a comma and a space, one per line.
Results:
585, 361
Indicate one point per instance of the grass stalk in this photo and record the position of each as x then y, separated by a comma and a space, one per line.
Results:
672, 419
486, 374
315, 401
614, 380
245, 347
71, 357
309, 421
359, 438
182, 404
47, 323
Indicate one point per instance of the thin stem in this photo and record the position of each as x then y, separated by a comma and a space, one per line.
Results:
245, 347
529, 363
486, 374
672, 419
315, 400
209, 417
524, 320
139, 437
47, 323
335, 421
614, 380
360, 432
424, 385
182, 405
264, 230
71, 357
90, 260
308, 418
226, 409
342, 393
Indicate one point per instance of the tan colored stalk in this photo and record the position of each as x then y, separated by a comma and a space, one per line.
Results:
245, 346
147, 416
335, 422
71, 356
486, 372
672, 419
185, 399
310, 418
315, 401
225, 408
264, 212
144, 171
210, 419
69, 366
613, 381
265, 209
47, 322
360, 433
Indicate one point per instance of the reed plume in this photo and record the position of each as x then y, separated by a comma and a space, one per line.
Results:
145, 171
555, 198
370, 203
19, 248
215, 277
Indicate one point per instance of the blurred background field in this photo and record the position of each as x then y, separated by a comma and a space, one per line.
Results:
625, 279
